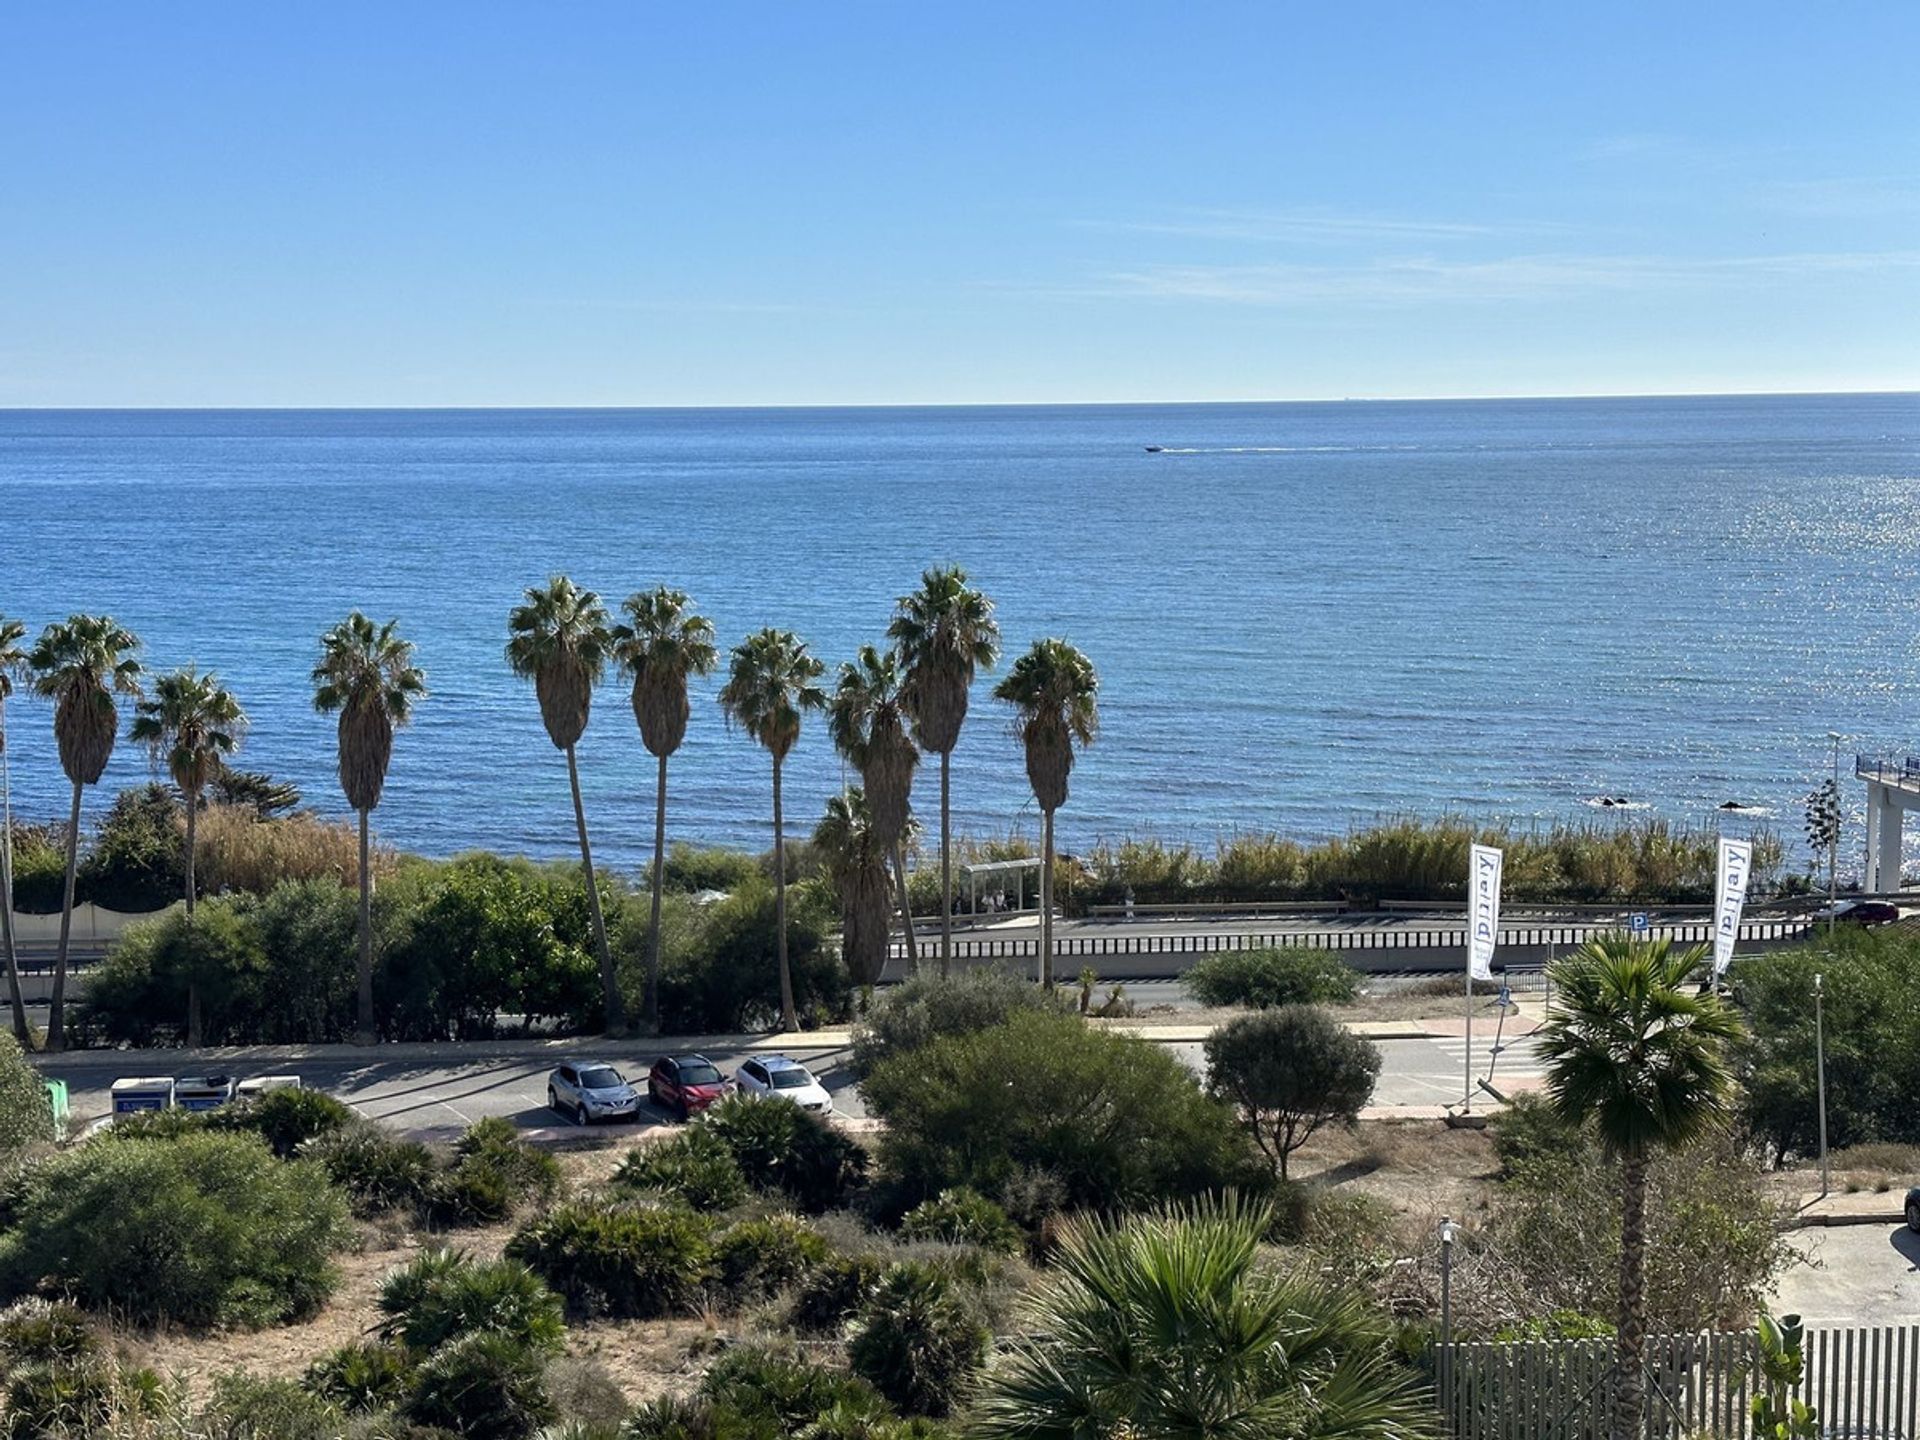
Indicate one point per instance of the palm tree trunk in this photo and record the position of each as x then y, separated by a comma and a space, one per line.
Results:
609, 982
363, 1026
652, 1001
193, 953
1046, 898
1629, 1371
20, 1031
789, 1019
906, 908
57, 1007
946, 867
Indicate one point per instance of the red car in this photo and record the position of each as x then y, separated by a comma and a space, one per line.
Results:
685, 1083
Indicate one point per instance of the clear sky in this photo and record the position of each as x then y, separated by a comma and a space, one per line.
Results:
646, 204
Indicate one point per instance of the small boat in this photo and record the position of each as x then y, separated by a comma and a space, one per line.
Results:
1155, 449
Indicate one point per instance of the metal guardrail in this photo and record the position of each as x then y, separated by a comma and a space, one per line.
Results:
1888, 769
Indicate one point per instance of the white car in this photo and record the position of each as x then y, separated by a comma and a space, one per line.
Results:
784, 1079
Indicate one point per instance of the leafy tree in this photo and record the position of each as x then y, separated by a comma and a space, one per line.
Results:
1055, 696
81, 664
720, 973
927, 1008
135, 863
773, 680
855, 855
943, 632
867, 718
1290, 1071
1631, 1049
367, 676
13, 664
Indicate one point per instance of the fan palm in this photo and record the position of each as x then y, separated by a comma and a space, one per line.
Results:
13, 662
1055, 695
1631, 1049
849, 842
943, 632
867, 718
367, 676
190, 724
1167, 1326
772, 681
81, 665
559, 640
662, 644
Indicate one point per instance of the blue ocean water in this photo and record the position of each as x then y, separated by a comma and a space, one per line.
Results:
1305, 615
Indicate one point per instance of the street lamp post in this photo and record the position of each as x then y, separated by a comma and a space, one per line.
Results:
1820, 1067
1448, 1230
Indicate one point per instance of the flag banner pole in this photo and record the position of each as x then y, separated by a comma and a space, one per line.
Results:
1729, 899
1483, 935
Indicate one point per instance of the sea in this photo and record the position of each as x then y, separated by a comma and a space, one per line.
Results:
1305, 617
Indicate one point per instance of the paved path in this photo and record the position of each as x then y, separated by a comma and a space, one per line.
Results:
1865, 1274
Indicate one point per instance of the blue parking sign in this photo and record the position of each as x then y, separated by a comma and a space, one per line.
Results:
1640, 922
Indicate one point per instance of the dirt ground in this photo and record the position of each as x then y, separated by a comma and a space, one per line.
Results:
1419, 1167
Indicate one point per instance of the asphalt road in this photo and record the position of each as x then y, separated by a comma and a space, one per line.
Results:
1854, 1275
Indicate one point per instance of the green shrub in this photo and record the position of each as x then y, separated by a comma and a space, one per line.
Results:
362, 1378
205, 1230
782, 1387
783, 1148
674, 1417
928, 1007
694, 1167
625, 1261
168, 1124
91, 1397
1289, 1071
441, 1295
378, 1171
483, 1386
590, 1398
36, 1331
717, 968
137, 862
1293, 975
832, 1291
693, 868
39, 868
495, 1174
26, 1115
1530, 1134
756, 1259
287, 1119
473, 1192
916, 1341
254, 1407
963, 1217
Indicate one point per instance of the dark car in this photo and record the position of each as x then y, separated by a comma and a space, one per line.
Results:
1860, 912
1913, 1209
685, 1083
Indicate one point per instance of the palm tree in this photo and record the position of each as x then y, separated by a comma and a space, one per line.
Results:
190, 724
1168, 1326
772, 682
13, 662
559, 640
1632, 1049
366, 674
868, 721
943, 632
1055, 696
81, 665
848, 839
662, 645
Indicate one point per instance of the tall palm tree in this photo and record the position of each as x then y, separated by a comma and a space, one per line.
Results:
1055, 696
772, 681
1169, 1326
13, 662
943, 632
1630, 1048
366, 674
662, 644
81, 664
848, 839
868, 721
559, 639
190, 724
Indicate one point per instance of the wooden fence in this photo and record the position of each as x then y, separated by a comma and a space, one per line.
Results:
1863, 1382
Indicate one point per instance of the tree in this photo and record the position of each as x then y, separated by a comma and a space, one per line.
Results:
1167, 1326
367, 676
662, 645
1632, 1050
190, 724
943, 632
868, 721
849, 841
1288, 1072
772, 682
1823, 834
81, 665
13, 663
559, 640
1055, 695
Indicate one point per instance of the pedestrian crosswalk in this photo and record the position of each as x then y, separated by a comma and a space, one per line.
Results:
1434, 1070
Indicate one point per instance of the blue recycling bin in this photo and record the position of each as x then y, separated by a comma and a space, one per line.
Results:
144, 1092
202, 1092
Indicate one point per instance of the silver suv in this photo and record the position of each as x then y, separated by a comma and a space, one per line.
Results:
589, 1091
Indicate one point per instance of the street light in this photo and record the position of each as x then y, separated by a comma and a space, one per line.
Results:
1448, 1233
1820, 1066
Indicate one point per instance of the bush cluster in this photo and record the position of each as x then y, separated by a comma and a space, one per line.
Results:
1286, 975
928, 1007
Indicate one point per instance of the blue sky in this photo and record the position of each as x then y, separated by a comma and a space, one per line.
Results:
643, 204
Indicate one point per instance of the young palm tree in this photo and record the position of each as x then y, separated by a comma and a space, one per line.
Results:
366, 674
943, 632
662, 645
1055, 696
868, 721
1168, 1326
772, 682
190, 724
81, 665
13, 662
1632, 1049
559, 640
848, 839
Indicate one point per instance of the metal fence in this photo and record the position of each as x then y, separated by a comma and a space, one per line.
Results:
1862, 1382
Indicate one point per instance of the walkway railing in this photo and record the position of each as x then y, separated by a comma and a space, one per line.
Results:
1888, 769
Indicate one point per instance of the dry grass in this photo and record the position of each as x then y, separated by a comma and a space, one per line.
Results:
240, 851
1416, 1166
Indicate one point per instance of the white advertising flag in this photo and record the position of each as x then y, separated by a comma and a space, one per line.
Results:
1483, 909
1729, 898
